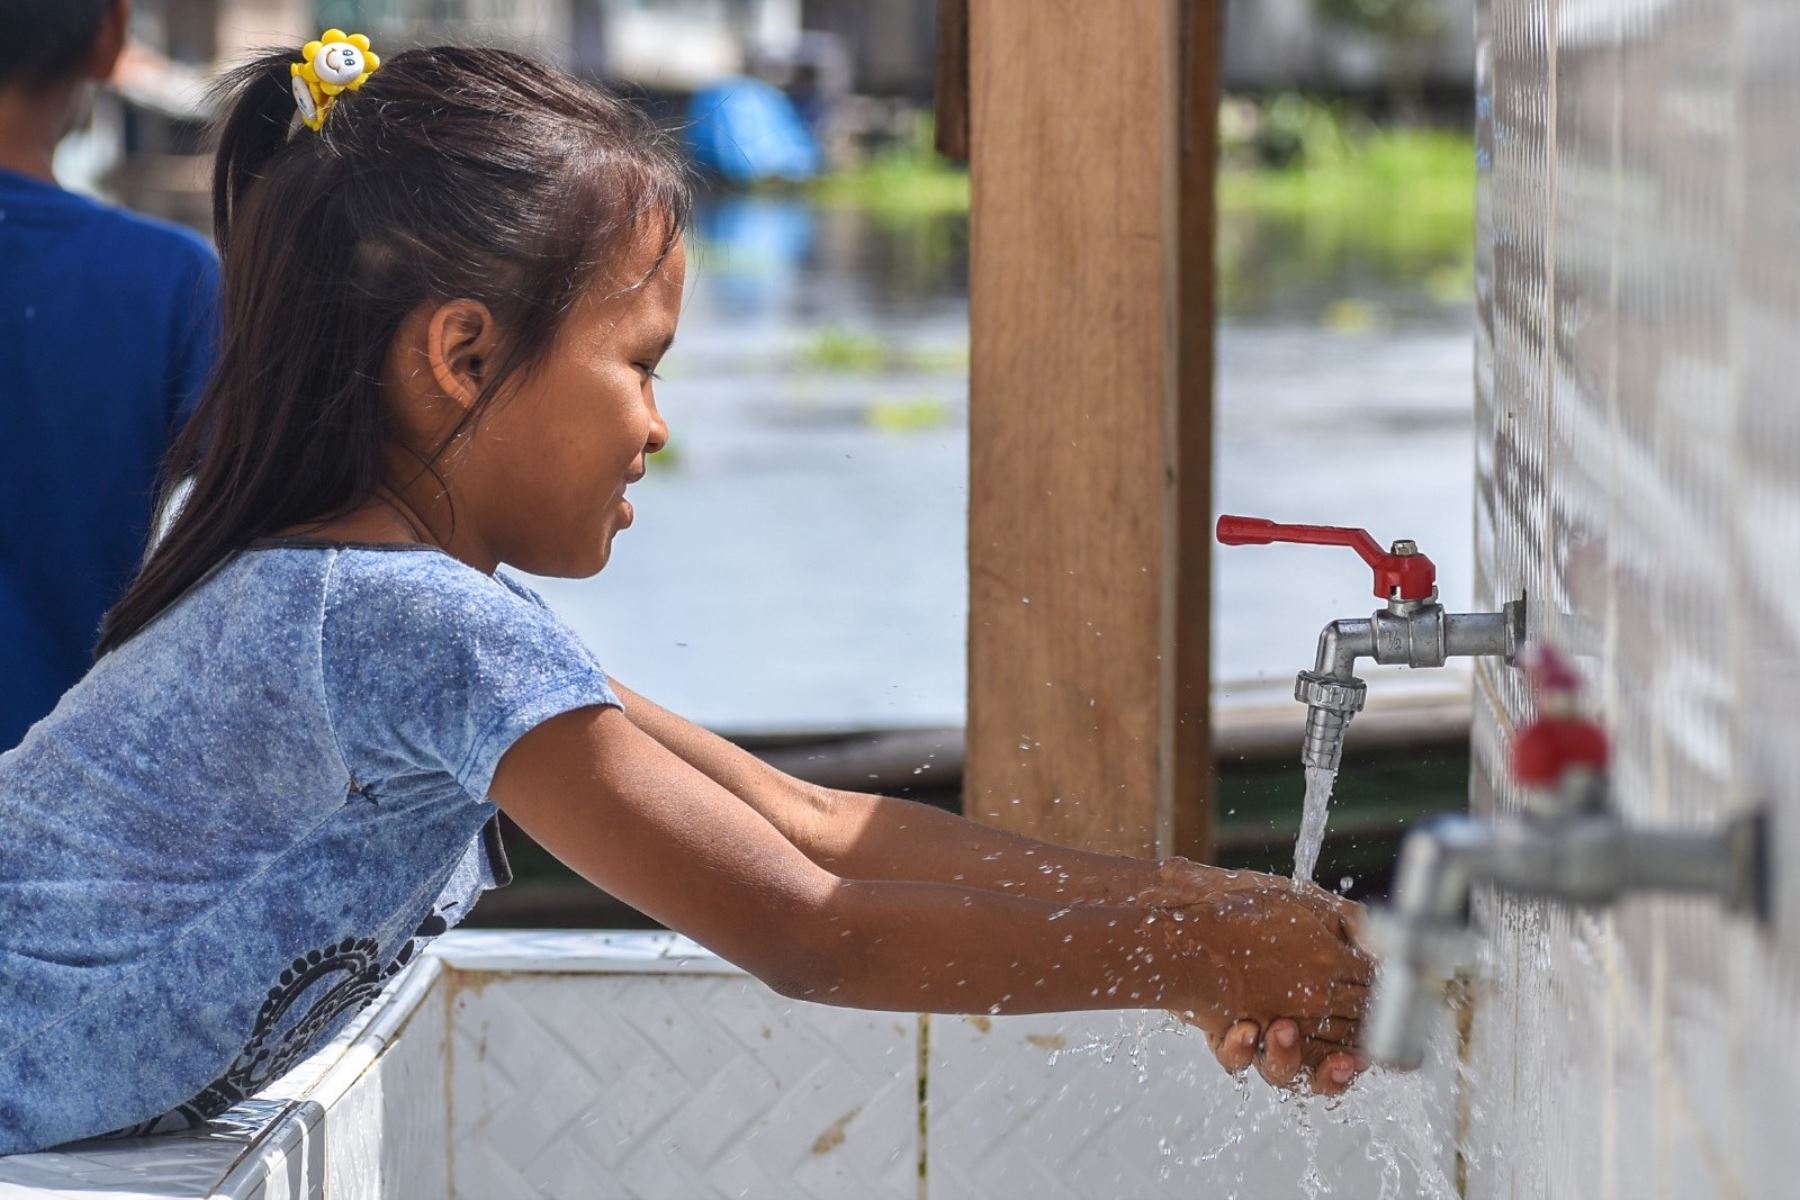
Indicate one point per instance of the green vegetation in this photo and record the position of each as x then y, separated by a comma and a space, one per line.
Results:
1290, 156
1307, 191
908, 414
843, 351
1299, 159
1316, 202
839, 351
909, 180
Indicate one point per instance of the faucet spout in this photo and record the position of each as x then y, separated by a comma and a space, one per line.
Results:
1341, 643
1421, 938
1595, 859
1572, 845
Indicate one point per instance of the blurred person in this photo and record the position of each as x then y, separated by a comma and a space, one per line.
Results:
450, 279
107, 329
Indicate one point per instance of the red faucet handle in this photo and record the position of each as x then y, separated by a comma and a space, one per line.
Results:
1551, 674
1401, 573
1549, 748
1560, 740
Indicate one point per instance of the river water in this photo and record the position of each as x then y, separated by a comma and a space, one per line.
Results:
798, 561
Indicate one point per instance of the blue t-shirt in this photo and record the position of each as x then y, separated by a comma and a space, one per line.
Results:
242, 822
107, 333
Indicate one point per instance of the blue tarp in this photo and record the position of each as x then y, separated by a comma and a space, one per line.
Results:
747, 130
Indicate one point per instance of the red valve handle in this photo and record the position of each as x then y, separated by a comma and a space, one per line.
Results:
1560, 739
1405, 576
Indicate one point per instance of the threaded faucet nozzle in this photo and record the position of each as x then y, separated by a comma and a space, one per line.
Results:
1330, 703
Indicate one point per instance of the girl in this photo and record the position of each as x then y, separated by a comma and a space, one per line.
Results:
444, 312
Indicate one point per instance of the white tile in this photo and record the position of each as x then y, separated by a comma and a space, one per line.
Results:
675, 1086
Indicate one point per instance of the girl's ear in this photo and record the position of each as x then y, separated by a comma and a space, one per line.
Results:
461, 340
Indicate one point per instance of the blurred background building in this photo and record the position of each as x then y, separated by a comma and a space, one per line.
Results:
864, 69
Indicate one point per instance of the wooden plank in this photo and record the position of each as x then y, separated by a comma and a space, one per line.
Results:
1199, 32
1090, 420
950, 108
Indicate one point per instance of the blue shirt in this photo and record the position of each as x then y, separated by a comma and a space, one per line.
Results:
245, 820
107, 333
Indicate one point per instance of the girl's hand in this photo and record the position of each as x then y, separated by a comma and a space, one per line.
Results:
1180, 882
1288, 982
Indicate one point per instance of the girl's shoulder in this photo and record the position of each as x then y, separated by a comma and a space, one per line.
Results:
428, 662
400, 584
386, 574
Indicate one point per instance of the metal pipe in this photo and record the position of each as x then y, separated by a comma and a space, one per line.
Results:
1589, 858
1467, 635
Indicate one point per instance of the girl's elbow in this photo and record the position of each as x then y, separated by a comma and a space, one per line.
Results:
811, 974
817, 958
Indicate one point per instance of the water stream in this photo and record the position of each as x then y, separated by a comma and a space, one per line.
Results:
1319, 781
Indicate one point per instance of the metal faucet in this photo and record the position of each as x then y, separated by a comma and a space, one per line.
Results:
1571, 844
1413, 630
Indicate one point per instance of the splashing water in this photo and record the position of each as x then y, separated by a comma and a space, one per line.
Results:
1312, 821
1394, 1136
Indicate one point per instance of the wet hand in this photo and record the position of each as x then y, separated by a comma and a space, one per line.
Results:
1288, 981
1180, 882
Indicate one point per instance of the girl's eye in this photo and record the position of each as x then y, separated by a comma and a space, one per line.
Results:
649, 371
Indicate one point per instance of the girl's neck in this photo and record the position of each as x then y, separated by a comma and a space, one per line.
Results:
389, 517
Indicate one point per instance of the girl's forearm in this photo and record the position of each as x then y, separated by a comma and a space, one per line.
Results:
860, 836
926, 947
882, 838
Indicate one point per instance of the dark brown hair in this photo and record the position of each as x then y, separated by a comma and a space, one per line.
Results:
47, 41
452, 173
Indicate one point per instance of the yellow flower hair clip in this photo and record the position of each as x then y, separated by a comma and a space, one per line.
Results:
337, 62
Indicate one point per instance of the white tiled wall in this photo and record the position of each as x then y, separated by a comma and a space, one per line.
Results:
641, 1086
570, 1079
1638, 433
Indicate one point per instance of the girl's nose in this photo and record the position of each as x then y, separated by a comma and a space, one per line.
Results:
659, 433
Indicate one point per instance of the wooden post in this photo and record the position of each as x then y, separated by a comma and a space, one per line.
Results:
950, 105
1092, 132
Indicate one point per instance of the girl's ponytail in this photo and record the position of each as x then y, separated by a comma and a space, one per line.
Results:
451, 173
258, 102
